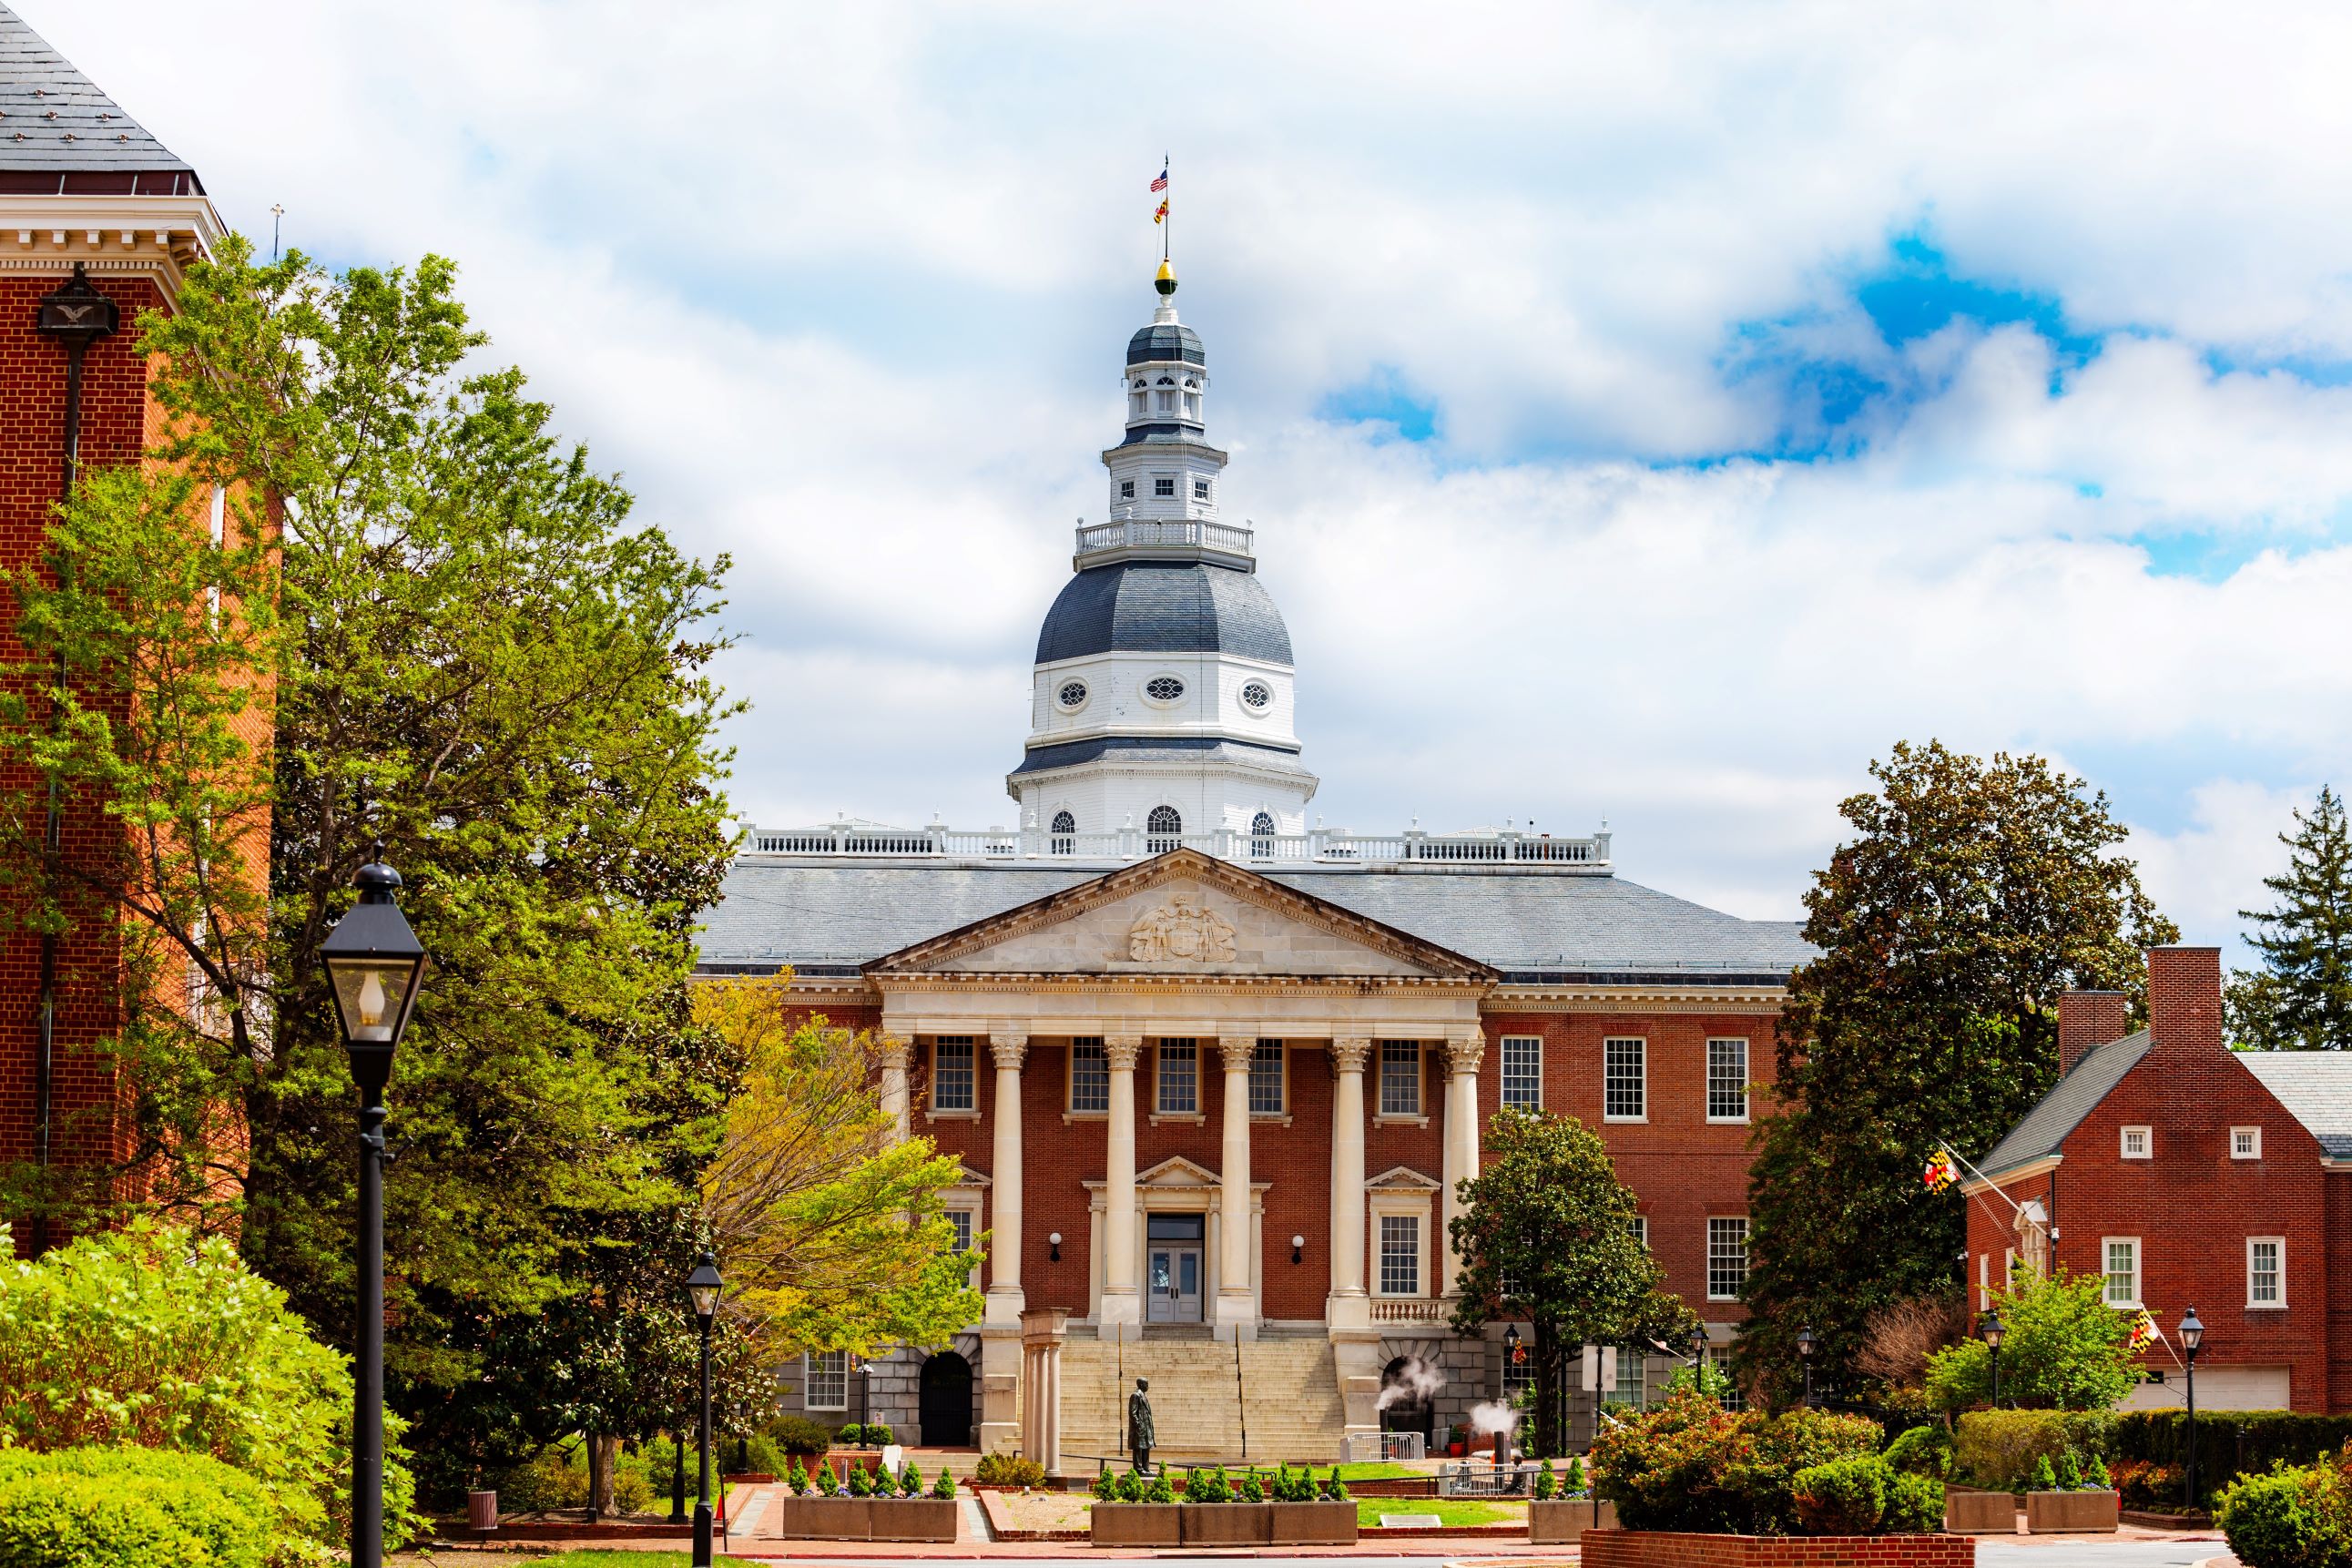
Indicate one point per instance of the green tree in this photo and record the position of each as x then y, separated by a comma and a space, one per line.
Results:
1972, 894
2301, 998
1546, 1233
2064, 1349
434, 627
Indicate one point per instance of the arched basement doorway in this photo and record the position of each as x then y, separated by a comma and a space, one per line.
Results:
946, 1402
1408, 1386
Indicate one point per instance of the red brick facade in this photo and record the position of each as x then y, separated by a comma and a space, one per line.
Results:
2191, 1206
1679, 1549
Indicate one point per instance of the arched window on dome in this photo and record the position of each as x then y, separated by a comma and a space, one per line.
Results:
1065, 828
1262, 836
1163, 830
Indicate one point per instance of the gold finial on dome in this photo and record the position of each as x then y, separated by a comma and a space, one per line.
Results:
1166, 281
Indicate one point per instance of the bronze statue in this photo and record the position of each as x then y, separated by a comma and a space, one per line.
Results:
1139, 1435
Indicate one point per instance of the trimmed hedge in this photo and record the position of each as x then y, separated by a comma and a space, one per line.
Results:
2230, 1442
129, 1508
2005, 1449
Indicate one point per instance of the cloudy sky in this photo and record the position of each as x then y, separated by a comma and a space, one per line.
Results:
1649, 412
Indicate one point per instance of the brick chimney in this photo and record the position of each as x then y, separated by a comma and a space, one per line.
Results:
2184, 997
2088, 1018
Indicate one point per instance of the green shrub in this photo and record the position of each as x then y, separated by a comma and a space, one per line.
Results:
2045, 1474
1249, 1488
911, 1479
548, 1479
1161, 1488
1105, 1488
1692, 1464
147, 1337
1335, 1490
1134, 1488
861, 1483
797, 1478
92, 1507
878, 1435
1845, 1497
1008, 1470
2094, 1473
1547, 1484
798, 1435
2068, 1471
2067, 1350
1208, 1484
1574, 1484
1921, 1451
826, 1483
1915, 1506
2228, 1443
945, 1486
2000, 1449
1294, 1484
632, 1492
2290, 1518
762, 1456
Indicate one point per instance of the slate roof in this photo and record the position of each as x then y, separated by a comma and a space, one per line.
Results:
1166, 341
1191, 750
2316, 1086
2045, 1127
828, 917
55, 119
1164, 607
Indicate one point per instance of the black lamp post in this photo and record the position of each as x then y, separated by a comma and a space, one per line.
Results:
373, 963
678, 1478
1992, 1336
1805, 1354
2192, 1334
1699, 1356
860, 1364
702, 1286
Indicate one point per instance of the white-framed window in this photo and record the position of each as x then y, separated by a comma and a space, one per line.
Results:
1523, 1071
2245, 1143
1629, 1389
824, 1380
1178, 1078
1267, 1061
2009, 1268
1127, 486
960, 1221
952, 1076
1726, 1081
1641, 1230
1726, 1258
2138, 1143
2265, 1271
1089, 1076
1518, 1374
1163, 486
2120, 1255
1400, 1255
1199, 487
1624, 1080
1399, 1078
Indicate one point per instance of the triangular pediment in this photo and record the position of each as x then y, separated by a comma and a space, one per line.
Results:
1177, 1172
1184, 913
1403, 1179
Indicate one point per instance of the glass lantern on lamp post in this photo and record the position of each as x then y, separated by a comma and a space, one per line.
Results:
373, 963
2192, 1335
1805, 1342
702, 1287
1993, 1332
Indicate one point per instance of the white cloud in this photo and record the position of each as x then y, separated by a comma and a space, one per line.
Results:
841, 289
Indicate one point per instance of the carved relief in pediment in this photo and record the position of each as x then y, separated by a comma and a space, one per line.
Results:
1180, 931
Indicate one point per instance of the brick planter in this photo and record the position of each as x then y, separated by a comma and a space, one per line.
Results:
1679, 1549
911, 1519
1313, 1523
2083, 1512
1226, 1523
1979, 1513
1564, 1521
1134, 1524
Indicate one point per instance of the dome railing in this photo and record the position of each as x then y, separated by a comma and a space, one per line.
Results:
1517, 850
1122, 538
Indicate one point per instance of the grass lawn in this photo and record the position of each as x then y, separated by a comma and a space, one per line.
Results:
1449, 1510
1383, 1471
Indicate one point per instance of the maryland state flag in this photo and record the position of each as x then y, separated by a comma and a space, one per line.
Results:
2144, 1332
1162, 212
1939, 1173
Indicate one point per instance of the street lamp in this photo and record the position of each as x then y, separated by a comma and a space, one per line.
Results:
373, 963
1992, 1337
865, 1371
702, 1287
1805, 1354
2192, 1334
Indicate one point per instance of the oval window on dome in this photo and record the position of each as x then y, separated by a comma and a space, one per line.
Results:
1073, 694
1163, 688
1257, 694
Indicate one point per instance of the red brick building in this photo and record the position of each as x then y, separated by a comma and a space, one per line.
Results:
98, 221
2189, 1175
1251, 1057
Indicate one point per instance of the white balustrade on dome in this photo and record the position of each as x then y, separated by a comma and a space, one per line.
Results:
1323, 846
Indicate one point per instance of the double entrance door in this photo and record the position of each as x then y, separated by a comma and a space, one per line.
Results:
1174, 1246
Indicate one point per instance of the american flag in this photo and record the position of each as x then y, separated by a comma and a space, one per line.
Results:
1161, 183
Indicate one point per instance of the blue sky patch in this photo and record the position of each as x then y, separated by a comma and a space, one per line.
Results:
1381, 398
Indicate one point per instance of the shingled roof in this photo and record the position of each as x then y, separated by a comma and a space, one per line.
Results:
2043, 1131
59, 133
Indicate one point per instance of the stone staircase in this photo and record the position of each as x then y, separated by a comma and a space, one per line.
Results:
1288, 1387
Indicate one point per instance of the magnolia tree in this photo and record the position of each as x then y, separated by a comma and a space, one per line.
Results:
1547, 1237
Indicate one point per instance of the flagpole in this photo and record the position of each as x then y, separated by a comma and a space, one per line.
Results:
1168, 224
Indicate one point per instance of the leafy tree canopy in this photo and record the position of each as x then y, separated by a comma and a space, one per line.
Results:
1972, 894
2301, 997
2064, 1349
1545, 1235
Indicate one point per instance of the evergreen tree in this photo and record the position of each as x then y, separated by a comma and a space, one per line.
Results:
1973, 892
2301, 999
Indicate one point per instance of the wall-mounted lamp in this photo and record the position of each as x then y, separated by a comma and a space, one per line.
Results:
1055, 1241
1298, 1250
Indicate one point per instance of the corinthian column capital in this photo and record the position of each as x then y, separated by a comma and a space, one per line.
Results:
894, 1054
1120, 1051
1350, 1052
1010, 1050
1465, 1052
1236, 1050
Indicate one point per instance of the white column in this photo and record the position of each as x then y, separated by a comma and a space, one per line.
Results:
895, 1101
1122, 1306
1463, 1055
1349, 1307
1004, 1294
1237, 1313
